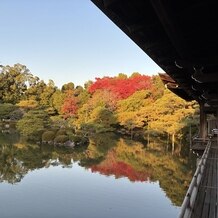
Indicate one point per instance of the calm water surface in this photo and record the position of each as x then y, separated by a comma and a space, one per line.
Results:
111, 177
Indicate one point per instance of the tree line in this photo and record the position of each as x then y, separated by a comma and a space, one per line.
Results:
137, 105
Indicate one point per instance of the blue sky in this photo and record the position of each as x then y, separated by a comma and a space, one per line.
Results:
67, 40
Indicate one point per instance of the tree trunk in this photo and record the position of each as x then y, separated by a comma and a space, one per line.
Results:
131, 133
148, 139
86, 116
190, 136
148, 136
168, 137
173, 143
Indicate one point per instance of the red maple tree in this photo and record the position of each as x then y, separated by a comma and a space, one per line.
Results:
69, 106
123, 87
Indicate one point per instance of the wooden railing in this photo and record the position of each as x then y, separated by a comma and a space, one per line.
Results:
189, 200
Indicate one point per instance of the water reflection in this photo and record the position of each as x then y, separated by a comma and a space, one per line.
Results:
106, 155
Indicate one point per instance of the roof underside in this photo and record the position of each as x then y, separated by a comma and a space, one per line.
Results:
180, 36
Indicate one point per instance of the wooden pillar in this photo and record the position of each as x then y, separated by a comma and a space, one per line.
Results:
208, 127
203, 122
216, 125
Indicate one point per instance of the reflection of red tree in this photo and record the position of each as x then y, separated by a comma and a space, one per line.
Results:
119, 169
123, 87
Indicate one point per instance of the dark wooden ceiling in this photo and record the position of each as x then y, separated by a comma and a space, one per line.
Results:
180, 36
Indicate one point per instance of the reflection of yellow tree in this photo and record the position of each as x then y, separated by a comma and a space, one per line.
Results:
18, 158
100, 144
106, 154
11, 168
133, 160
173, 173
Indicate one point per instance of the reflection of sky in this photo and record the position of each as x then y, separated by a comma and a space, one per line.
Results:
56, 192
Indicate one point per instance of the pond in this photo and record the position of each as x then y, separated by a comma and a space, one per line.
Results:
110, 177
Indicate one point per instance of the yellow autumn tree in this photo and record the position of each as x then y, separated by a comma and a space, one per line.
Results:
168, 114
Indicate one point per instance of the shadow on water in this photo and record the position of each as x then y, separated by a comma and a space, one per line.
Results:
106, 154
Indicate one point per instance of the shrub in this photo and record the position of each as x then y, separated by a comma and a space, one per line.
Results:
54, 129
33, 124
61, 139
13, 124
6, 109
48, 136
79, 139
51, 111
76, 138
58, 121
16, 114
61, 132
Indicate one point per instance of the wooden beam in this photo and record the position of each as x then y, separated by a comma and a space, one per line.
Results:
210, 96
135, 27
205, 77
210, 110
204, 87
170, 27
212, 103
109, 3
205, 62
